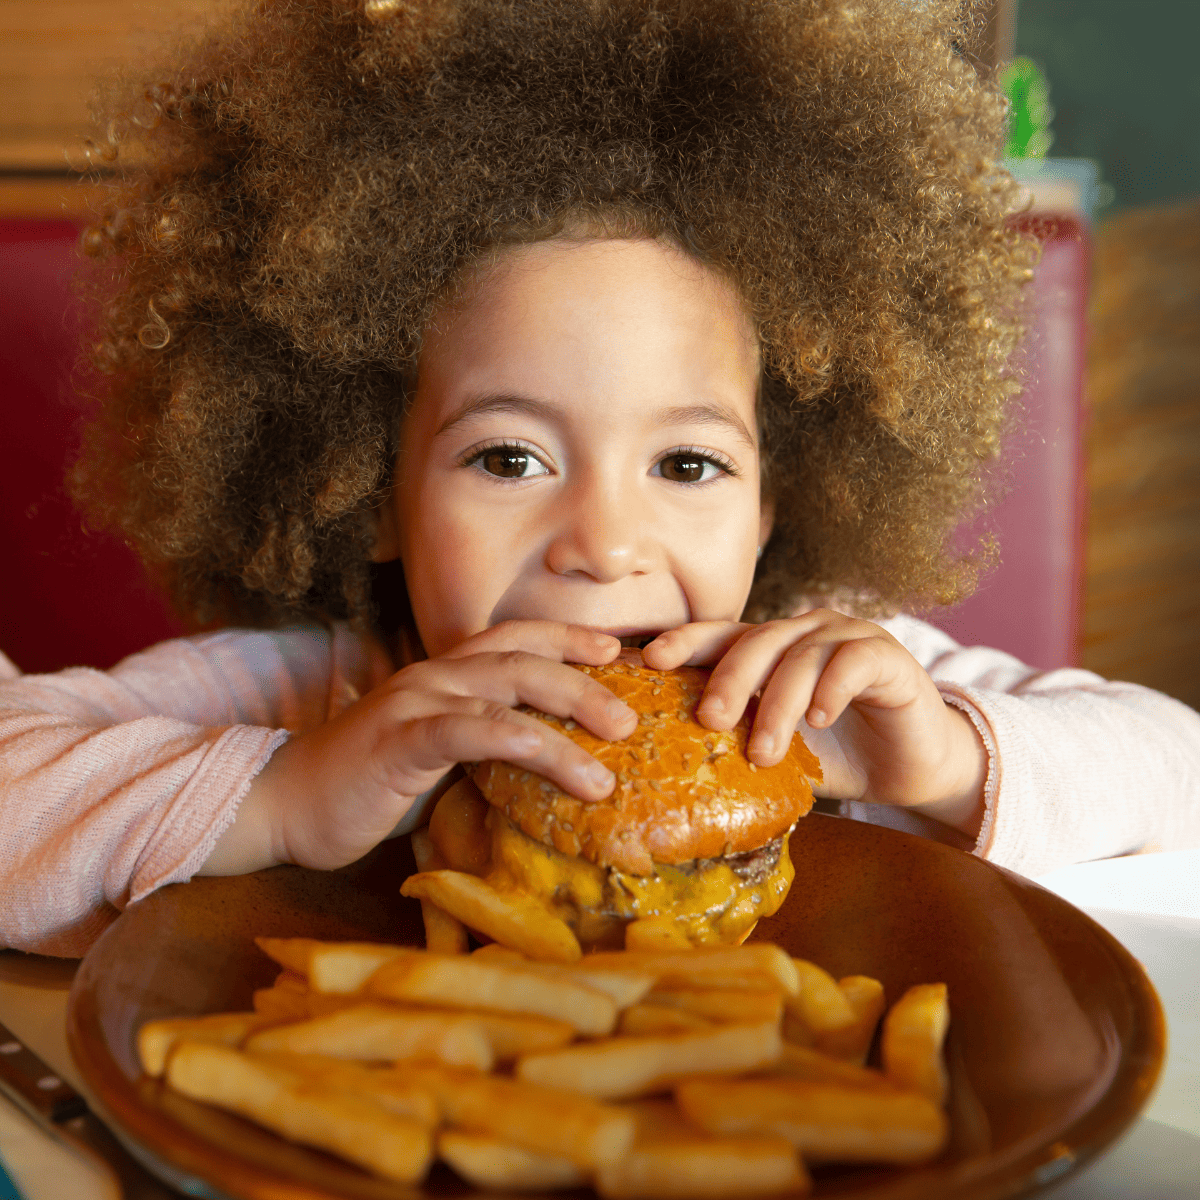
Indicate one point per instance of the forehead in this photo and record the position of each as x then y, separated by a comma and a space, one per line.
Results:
590, 315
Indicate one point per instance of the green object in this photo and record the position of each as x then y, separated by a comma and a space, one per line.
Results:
1030, 114
8, 1189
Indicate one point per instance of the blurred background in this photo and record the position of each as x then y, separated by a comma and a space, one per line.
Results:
1124, 92
1099, 529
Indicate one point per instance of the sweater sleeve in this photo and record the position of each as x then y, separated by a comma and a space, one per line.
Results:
1080, 768
115, 783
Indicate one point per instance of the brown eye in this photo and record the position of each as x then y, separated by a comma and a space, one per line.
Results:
507, 464
686, 468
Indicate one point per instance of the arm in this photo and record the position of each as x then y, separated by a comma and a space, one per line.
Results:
112, 784
1079, 768
115, 783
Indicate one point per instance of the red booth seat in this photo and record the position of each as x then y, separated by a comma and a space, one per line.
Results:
67, 597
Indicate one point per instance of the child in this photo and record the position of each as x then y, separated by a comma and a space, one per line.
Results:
685, 324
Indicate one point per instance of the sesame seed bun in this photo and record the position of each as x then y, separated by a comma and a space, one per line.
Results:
683, 792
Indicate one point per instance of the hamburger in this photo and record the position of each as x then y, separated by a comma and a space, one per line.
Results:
690, 848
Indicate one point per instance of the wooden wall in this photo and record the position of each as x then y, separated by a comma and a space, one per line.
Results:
51, 54
1142, 606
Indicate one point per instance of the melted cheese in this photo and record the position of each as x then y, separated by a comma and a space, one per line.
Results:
708, 905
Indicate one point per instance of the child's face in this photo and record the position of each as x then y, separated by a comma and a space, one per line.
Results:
582, 447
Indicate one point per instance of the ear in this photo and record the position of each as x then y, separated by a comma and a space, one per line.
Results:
387, 531
766, 521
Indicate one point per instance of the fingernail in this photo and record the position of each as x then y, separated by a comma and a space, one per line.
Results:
762, 744
618, 710
714, 706
603, 640
597, 775
816, 716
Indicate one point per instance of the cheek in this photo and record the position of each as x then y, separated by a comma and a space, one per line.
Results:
451, 562
718, 560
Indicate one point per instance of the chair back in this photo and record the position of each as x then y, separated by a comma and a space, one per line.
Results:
67, 597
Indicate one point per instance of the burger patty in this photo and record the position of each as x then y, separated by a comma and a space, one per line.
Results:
752, 866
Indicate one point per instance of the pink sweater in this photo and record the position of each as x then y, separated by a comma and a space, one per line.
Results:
115, 783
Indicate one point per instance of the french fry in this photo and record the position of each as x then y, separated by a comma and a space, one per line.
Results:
715, 1167
801, 1062
384, 1085
290, 981
546, 1120
489, 1163
466, 981
623, 1067
156, 1039
705, 1022
852, 1042
320, 1004
376, 1032
758, 966
341, 969
336, 968
285, 1101
509, 1036
819, 1003
640, 1020
672, 1159
913, 1032
281, 1004
795, 1029
494, 950
444, 934
457, 830
823, 1121
288, 1005
510, 919
513, 1036
725, 1005
290, 953
625, 987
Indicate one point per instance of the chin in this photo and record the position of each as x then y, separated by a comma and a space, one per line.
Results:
691, 847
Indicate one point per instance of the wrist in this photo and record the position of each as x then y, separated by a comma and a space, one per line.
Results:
250, 841
963, 805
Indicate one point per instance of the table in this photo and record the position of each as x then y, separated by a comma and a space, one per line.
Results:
1151, 903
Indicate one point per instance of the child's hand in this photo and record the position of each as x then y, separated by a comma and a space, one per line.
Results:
866, 708
329, 795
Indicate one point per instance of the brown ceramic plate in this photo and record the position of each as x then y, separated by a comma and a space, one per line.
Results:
1055, 1043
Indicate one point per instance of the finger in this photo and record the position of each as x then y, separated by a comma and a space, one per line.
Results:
495, 731
786, 699
697, 644
861, 669
514, 677
747, 667
549, 639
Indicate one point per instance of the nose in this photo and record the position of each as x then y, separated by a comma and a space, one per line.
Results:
600, 532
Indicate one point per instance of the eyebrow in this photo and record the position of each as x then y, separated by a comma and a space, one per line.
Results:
687, 414
496, 403
707, 414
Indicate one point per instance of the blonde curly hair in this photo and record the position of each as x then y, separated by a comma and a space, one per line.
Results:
314, 177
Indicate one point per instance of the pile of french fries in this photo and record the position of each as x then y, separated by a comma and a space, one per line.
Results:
673, 1073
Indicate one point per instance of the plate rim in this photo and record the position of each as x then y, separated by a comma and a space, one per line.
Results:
1023, 1170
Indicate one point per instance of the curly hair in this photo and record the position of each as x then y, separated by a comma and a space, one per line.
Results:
314, 177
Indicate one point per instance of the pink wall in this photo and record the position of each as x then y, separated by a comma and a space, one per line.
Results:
1030, 604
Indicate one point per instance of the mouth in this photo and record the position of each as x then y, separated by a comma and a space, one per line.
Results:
638, 641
